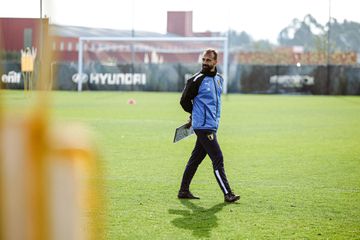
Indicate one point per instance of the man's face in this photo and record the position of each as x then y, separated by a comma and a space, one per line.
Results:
208, 62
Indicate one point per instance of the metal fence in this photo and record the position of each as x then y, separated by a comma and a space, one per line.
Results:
264, 79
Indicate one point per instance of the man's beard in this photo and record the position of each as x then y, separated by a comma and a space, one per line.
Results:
206, 68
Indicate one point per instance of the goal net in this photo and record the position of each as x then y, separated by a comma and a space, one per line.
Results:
144, 63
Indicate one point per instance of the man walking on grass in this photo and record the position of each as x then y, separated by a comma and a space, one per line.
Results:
201, 98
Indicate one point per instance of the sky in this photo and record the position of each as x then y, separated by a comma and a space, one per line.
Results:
262, 19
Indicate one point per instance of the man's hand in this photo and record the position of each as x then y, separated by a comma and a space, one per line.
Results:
188, 124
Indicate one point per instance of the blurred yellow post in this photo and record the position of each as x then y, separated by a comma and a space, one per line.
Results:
47, 188
47, 174
2, 236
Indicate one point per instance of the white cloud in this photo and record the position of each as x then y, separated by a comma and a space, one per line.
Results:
260, 18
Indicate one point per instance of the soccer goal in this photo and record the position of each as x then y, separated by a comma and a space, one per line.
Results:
144, 63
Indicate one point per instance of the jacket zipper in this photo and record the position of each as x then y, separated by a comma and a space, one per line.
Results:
216, 96
204, 116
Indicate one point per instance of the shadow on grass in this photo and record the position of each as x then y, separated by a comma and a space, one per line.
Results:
198, 219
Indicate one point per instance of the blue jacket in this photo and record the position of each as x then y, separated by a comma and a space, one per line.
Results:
201, 98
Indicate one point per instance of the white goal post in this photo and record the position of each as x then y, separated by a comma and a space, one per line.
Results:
157, 39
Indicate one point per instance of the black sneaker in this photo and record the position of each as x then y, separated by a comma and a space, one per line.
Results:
186, 195
230, 197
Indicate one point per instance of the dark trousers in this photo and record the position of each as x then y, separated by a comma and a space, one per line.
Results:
206, 143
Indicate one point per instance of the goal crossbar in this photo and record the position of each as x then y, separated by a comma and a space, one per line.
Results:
156, 39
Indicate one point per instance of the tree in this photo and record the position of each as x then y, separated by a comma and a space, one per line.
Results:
314, 36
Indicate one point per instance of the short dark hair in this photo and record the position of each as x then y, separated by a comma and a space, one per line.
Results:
213, 51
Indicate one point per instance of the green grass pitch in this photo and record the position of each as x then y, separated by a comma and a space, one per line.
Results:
295, 161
